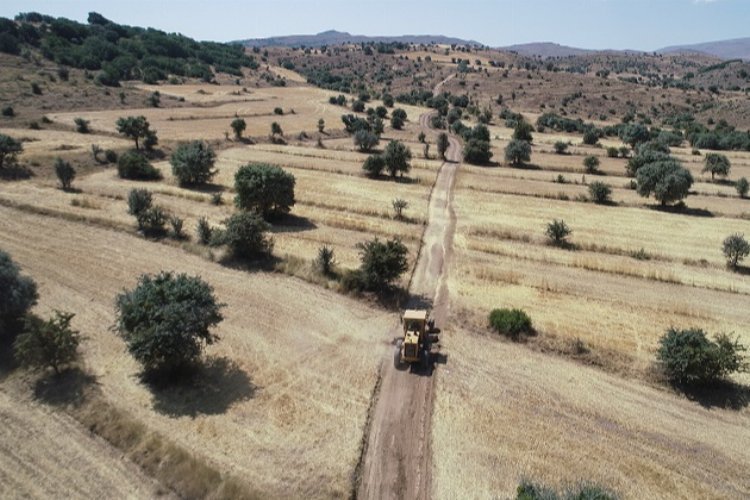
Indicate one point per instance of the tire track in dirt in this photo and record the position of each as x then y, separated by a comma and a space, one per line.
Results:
396, 458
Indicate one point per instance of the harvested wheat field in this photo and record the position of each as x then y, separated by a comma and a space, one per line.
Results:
45, 454
286, 389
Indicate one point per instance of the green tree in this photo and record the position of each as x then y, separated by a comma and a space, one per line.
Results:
382, 262
717, 164
735, 248
517, 152
397, 122
522, 131
239, 126
245, 235
139, 200
374, 166
365, 140
325, 261
166, 319
742, 186
443, 144
135, 127
65, 173
558, 231
193, 163
135, 166
399, 205
690, 357
82, 125
321, 125
9, 150
19, 293
397, 157
634, 133
590, 136
667, 180
267, 189
591, 164
276, 130
52, 343
600, 192
561, 147
477, 151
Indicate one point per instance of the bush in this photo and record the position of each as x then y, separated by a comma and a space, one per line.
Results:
82, 126
510, 322
517, 152
477, 151
612, 152
397, 122
561, 147
239, 126
325, 260
9, 111
667, 180
193, 163
397, 157
133, 165
742, 186
590, 137
689, 357
358, 106
65, 173
374, 166
19, 293
204, 231
166, 319
382, 262
265, 188
9, 150
557, 231
735, 248
152, 221
591, 164
110, 156
600, 192
52, 343
278, 111
522, 131
177, 224
528, 490
245, 235
139, 200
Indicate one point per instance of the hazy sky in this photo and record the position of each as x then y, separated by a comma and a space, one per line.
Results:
596, 24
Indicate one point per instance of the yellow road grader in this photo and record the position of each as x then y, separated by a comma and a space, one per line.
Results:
419, 334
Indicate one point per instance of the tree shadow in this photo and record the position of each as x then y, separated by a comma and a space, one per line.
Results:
207, 188
727, 395
15, 172
266, 263
682, 210
526, 166
69, 387
743, 270
207, 389
291, 223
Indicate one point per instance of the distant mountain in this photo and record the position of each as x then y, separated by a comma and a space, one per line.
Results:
738, 48
334, 37
546, 49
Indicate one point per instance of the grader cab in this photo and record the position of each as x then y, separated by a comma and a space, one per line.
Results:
419, 332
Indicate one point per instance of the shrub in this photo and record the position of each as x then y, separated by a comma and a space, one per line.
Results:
133, 165
239, 126
374, 166
9, 150
477, 151
154, 99
600, 192
36, 88
166, 319
9, 111
278, 111
139, 200
561, 147
612, 152
397, 122
735, 248
110, 156
193, 163
528, 490
558, 231
52, 343
365, 140
325, 260
152, 221
82, 126
65, 173
667, 180
321, 125
517, 152
177, 224
245, 235
397, 157
358, 106
276, 130
19, 293
522, 131
590, 137
591, 164
382, 262
689, 357
510, 322
742, 186
265, 188
204, 231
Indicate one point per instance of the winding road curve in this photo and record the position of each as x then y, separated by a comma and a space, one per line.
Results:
397, 458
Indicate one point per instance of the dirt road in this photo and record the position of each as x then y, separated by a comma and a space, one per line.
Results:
397, 459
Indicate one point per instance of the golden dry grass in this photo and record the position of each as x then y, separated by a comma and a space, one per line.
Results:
294, 394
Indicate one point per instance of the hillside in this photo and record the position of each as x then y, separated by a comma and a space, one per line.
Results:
546, 49
333, 37
737, 48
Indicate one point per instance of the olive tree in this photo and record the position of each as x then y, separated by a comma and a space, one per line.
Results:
267, 189
245, 235
397, 157
558, 231
374, 166
19, 293
717, 164
365, 140
517, 152
382, 262
166, 319
735, 248
442, 144
193, 163
742, 186
600, 192
667, 180
591, 164
238, 126
136, 127
9, 150
51, 343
